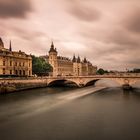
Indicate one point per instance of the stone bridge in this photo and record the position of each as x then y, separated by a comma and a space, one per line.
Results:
80, 81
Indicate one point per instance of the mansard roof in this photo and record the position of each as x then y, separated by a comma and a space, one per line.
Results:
9, 52
63, 58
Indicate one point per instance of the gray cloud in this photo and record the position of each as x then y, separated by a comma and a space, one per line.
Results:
104, 31
83, 11
132, 21
113, 40
113, 48
124, 38
27, 35
14, 8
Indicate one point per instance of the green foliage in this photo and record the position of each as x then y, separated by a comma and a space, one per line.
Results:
101, 71
40, 66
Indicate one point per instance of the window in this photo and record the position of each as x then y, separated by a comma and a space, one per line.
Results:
16, 72
19, 63
29, 72
15, 63
3, 70
23, 64
10, 71
24, 72
3, 63
20, 72
10, 63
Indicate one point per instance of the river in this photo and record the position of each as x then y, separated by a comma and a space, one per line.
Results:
49, 114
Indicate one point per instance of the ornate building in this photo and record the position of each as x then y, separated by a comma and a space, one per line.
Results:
63, 66
14, 63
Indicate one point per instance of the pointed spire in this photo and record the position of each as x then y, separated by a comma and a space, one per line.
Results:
10, 46
52, 45
1, 43
74, 58
78, 59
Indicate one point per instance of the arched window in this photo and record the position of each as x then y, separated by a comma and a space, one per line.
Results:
20, 72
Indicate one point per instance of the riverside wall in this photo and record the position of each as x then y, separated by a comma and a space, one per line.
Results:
12, 85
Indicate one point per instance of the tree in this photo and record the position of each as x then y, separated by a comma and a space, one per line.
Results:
101, 71
40, 66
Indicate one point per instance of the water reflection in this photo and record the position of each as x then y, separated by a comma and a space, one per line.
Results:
108, 83
111, 113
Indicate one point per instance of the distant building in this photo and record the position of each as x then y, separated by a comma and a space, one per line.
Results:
63, 66
14, 63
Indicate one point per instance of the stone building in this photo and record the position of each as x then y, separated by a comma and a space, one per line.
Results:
14, 63
63, 66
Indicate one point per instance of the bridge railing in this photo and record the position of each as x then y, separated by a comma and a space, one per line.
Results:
127, 75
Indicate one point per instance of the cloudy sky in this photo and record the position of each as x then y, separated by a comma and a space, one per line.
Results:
107, 32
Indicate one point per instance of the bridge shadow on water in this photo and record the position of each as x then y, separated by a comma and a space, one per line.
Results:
62, 83
66, 83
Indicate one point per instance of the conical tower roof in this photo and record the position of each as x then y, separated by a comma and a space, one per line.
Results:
74, 58
52, 49
78, 60
85, 60
1, 43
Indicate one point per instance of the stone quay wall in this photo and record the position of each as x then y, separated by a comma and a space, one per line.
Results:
12, 85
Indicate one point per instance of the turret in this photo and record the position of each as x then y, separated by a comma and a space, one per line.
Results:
78, 60
74, 59
52, 52
52, 49
85, 60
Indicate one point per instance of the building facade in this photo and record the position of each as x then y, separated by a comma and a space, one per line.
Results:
14, 63
63, 66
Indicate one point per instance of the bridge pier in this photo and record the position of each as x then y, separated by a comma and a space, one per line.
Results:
81, 85
127, 86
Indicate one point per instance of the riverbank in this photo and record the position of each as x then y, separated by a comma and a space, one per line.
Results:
13, 85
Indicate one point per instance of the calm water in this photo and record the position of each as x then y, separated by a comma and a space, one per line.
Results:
42, 114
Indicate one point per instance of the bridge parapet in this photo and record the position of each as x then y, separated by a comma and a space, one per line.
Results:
124, 79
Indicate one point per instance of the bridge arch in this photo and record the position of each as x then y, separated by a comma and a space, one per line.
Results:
91, 82
62, 82
111, 82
